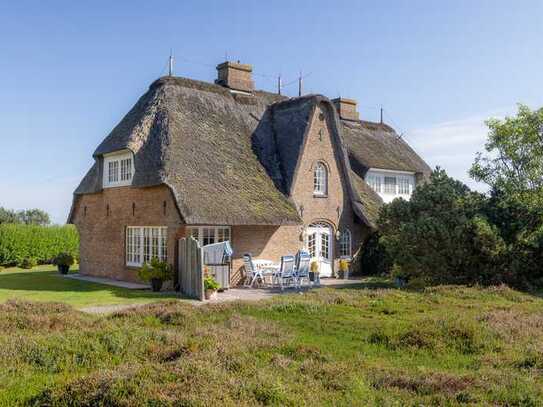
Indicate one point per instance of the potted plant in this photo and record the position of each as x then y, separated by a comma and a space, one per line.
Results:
343, 268
210, 288
63, 262
314, 270
156, 273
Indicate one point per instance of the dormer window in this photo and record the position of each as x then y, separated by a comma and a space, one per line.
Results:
320, 179
391, 184
118, 169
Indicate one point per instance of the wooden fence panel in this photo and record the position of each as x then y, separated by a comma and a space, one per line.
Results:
191, 276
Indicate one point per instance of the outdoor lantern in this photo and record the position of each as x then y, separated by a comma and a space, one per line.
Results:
338, 234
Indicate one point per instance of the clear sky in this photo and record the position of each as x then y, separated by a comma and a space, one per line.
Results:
69, 71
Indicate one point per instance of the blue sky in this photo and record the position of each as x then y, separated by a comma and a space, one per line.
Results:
70, 70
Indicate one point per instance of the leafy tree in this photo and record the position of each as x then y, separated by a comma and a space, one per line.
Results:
512, 166
8, 216
513, 162
34, 217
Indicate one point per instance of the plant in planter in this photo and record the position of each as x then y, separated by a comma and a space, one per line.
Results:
344, 268
210, 288
156, 273
63, 262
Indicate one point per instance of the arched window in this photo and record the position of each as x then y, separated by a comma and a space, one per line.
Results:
345, 243
320, 179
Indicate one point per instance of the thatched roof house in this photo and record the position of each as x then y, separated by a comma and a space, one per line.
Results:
230, 156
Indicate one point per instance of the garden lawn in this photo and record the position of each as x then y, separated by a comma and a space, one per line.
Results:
352, 346
44, 283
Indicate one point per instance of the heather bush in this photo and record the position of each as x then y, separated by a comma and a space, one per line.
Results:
42, 243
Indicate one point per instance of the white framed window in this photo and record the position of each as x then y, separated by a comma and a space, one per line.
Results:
126, 169
145, 242
404, 186
320, 179
390, 184
374, 182
118, 169
209, 234
345, 244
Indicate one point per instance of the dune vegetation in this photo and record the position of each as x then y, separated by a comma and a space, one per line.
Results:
359, 346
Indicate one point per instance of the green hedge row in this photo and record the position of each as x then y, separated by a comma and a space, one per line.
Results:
41, 243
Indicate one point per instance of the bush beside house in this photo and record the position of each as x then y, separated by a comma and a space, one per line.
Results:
19, 242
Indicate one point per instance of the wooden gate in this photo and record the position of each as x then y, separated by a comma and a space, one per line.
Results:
191, 276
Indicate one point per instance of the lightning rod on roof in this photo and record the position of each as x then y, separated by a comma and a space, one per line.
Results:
300, 84
381, 115
170, 66
279, 84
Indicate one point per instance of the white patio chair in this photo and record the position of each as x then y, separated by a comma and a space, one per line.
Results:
251, 272
302, 268
286, 274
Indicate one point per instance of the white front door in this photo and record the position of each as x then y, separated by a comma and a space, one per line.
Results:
319, 245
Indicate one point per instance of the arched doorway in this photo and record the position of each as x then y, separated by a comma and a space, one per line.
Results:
319, 244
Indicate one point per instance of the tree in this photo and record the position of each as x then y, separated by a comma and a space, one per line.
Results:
513, 161
8, 216
512, 166
34, 217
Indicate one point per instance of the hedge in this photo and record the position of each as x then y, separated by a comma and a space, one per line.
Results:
41, 243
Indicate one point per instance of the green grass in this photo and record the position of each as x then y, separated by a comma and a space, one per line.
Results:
341, 347
43, 283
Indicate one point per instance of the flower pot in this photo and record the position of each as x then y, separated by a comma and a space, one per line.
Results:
63, 268
156, 284
210, 294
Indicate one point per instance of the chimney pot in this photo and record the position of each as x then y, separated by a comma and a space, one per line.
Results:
346, 108
235, 76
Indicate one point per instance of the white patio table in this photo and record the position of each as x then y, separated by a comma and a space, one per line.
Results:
268, 267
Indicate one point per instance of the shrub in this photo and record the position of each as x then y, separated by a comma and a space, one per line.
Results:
42, 243
157, 269
373, 258
441, 235
63, 259
28, 263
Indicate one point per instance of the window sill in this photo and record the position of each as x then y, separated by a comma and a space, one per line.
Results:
320, 195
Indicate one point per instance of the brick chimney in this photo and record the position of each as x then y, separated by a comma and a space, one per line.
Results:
235, 76
346, 108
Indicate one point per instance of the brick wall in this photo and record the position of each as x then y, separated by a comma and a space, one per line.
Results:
335, 208
102, 236
265, 242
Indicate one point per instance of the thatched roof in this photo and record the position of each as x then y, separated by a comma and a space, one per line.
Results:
196, 138
375, 145
231, 158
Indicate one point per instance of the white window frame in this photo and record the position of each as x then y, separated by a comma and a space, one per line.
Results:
320, 179
218, 233
118, 169
345, 244
145, 242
